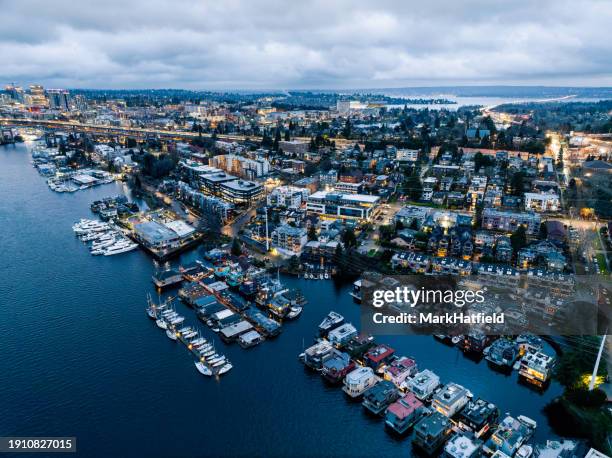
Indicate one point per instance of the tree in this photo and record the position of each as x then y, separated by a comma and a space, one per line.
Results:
277, 139
348, 238
517, 183
236, 249
312, 233
519, 238
413, 187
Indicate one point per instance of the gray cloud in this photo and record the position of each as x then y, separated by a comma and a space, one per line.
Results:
203, 44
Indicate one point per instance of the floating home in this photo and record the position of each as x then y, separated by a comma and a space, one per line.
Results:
336, 366
450, 399
378, 398
359, 381
432, 432
424, 384
404, 413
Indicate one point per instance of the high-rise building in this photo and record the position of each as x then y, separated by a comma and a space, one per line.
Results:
58, 99
37, 96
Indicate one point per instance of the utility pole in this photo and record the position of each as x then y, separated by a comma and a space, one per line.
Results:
267, 238
596, 368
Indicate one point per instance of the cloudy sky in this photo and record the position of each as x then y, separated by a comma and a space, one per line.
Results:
252, 44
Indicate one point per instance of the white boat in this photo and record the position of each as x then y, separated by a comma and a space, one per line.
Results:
456, 339
177, 320
171, 334
202, 368
190, 334
208, 353
524, 452
161, 324
225, 368
218, 363
111, 251
326, 276
294, 312
214, 356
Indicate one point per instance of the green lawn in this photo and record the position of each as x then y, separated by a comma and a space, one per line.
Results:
601, 260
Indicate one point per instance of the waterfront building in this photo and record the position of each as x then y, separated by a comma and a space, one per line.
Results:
342, 206
400, 370
336, 366
462, 446
536, 368
432, 432
510, 435
378, 398
287, 196
289, 238
378, 356
424, 384
315, 355
478, 416
404, 413
450, 399
342, 334
359, 381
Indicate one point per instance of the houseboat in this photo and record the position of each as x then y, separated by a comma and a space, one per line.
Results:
359, 345
250, 339
378, 357
400, 370
167, 278
475, 343
314, 356
450, 399
331, 321
359, 381
424, 384
510, 435
378, 398
478, 417
502, 354
233, 331
342, 334
356, 293
431, 433
265, 325
536, 368
336, 365
404, 413
462, 446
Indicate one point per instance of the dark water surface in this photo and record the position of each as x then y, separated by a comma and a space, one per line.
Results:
79, 357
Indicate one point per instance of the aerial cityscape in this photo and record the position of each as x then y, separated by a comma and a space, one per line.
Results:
332, 237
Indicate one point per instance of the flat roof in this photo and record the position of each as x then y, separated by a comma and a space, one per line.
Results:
154, 232
362, 198
181, 228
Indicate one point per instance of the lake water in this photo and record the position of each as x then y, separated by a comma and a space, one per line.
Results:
81, 358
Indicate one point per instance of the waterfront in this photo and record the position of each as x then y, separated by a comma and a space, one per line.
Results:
80, 357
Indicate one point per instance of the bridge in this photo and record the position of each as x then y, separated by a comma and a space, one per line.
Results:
139, 132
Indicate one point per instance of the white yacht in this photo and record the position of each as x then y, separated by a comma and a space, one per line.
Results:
225, 368
202, 368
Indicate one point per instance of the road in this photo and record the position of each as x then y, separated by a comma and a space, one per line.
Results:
138, 131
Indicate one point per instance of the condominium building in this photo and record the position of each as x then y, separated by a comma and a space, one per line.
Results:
241, 166
542, 201
289, 238
288, 196
342, 206
498, 220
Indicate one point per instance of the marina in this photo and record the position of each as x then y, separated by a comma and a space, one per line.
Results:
161, 376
